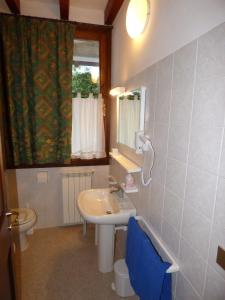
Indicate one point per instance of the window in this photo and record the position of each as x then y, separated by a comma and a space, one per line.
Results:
53, 155
85, 69
90, 87
88, 137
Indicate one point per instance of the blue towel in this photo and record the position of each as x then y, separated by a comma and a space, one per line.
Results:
147, 271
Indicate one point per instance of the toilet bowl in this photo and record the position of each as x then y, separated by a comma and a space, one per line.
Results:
22, 222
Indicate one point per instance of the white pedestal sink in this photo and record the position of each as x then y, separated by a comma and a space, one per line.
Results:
105, 209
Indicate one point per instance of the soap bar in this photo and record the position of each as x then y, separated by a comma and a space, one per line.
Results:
115, 151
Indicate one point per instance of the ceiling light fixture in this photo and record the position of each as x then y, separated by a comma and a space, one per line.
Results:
137, 17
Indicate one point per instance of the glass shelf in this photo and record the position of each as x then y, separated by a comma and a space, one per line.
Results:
125, 163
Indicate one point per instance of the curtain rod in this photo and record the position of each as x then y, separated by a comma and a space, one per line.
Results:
78, 24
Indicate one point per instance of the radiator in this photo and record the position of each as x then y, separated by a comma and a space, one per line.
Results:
72, 184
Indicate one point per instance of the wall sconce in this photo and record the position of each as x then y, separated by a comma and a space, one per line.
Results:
138, 12
117, 91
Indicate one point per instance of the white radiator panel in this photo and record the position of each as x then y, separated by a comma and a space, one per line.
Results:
72, 185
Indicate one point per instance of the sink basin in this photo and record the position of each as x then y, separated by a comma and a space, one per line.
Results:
99, 206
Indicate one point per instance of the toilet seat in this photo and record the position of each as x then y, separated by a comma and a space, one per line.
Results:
22, 216
22, 223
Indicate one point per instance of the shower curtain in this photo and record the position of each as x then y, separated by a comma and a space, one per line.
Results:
36, 89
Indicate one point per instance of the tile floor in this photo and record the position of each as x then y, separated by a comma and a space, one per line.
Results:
61, 264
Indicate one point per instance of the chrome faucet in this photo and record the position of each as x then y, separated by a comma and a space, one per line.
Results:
118, 190
10, 213
115, 188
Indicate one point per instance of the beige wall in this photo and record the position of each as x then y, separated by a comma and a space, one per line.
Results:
185, 118
46, 199
172, 25
50, 9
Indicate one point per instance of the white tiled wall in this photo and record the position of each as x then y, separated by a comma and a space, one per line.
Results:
185, 118
46, 199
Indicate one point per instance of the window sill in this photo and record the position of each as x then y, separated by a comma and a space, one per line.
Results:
74, 162
90, 162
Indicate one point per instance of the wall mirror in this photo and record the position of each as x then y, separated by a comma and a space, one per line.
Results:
130, 115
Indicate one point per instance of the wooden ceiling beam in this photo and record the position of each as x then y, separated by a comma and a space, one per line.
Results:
111, 10
14, 6
64, 9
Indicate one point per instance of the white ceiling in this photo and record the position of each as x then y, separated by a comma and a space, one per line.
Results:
88, 4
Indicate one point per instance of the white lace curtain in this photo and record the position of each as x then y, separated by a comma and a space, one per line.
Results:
88, 135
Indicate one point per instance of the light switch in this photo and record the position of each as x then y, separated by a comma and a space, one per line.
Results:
42, 177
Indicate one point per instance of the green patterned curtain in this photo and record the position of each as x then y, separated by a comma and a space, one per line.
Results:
36, 63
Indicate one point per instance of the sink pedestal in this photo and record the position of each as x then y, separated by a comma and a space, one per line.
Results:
105, 247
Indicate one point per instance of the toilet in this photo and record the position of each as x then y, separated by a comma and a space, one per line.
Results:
22, 222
